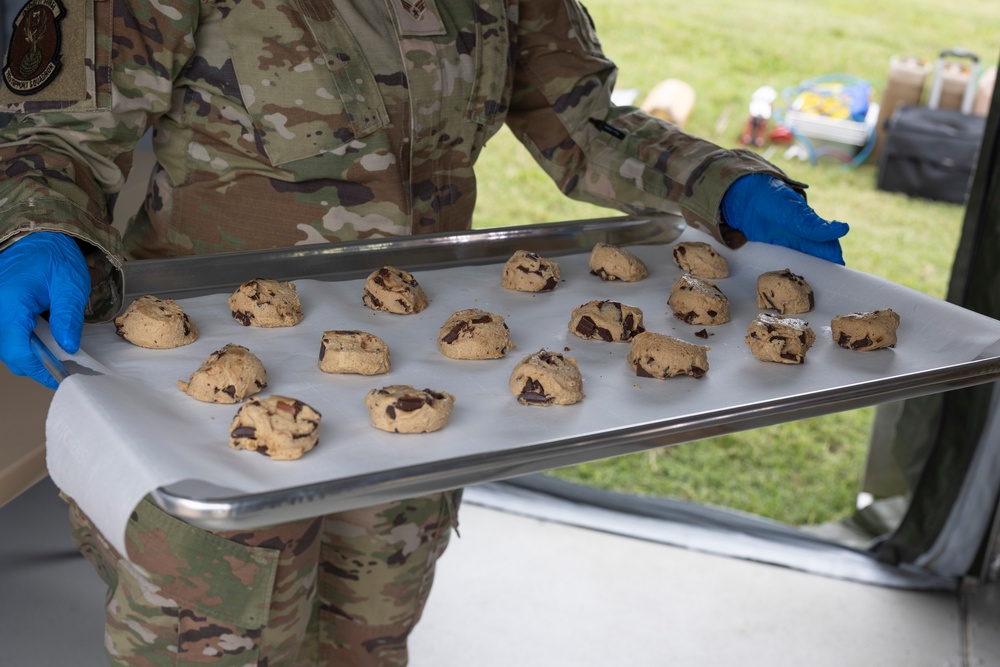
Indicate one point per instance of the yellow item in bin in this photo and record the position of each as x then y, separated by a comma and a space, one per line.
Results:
823, 100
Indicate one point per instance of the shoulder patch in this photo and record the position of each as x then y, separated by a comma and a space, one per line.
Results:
34, 56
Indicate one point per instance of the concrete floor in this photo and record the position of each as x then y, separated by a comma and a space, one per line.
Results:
517, 590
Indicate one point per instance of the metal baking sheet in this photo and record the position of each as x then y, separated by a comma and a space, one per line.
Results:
491, 437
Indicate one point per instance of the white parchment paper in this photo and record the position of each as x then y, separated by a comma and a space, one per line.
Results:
119, 427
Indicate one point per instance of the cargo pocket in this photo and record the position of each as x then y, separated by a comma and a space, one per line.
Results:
187, 595
494, 80
310, 93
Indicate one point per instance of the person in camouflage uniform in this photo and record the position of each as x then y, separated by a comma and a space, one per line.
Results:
285, 122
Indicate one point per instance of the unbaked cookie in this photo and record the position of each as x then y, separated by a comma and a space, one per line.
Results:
700, 259
159, 324
266, 303
698, 301
655, 355
784, 340
547, 378
610, 262
394, 291
527, 272
227, 376
610, 321
872, 330
400, 408
281, 427
784, 292
353, 352
474, 334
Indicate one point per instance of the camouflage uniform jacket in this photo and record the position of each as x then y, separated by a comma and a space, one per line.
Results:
281, 122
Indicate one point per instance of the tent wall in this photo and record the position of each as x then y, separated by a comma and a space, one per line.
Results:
956, 436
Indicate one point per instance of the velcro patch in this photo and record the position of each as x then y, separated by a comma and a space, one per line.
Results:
46, 60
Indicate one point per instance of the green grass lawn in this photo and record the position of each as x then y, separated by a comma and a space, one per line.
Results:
809, 471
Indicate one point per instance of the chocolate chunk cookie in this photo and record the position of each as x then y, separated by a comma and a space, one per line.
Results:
547, 378
654, 355
474, 334
785, 292
227, 376
266, 303
609, 262
158, 324
784, 340
698, 301
394, 291
353, 352
700, 259
400, 408
281, 427
610, 321
863, 332
527, 272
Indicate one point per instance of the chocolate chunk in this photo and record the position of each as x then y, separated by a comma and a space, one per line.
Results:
533, 392
410, 403
586, 326
452, 335
248, 432
864, 342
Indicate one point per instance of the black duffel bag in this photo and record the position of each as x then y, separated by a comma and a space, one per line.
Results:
930, 153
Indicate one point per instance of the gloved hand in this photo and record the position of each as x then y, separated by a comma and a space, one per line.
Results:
767, 209
41, 271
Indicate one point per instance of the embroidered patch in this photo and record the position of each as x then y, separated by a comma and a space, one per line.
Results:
415, 8
33, 57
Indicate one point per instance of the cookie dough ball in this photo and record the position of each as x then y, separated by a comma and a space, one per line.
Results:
527, 272
228, 376
474, 334
698, 301
610, 321
158, 324
872, 330
784, 340
400, 408
700, 259
609, 263
266, 303
281, 427
784, 292
353, 352
394, 291
654, 355
547, 378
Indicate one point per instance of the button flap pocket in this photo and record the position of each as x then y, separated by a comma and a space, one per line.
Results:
308, 92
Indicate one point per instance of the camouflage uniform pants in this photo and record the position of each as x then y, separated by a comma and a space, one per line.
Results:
344, 589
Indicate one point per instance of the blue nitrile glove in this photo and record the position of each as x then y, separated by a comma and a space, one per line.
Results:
766, 209
41, 271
